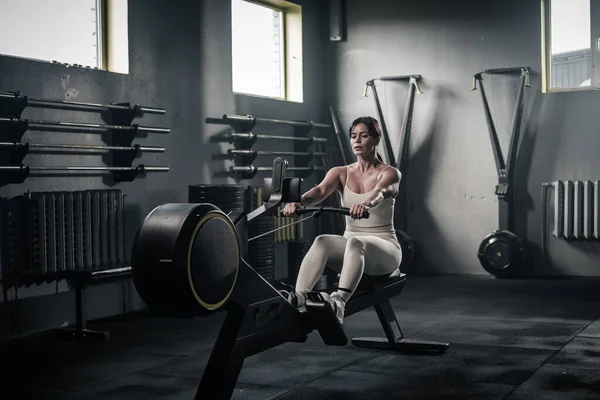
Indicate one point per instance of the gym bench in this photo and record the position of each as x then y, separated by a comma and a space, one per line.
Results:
376, 292
83, 279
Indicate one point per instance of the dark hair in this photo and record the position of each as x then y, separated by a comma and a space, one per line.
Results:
372, 126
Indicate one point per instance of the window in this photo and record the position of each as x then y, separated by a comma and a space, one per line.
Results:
569, 49
267, 49
77, 32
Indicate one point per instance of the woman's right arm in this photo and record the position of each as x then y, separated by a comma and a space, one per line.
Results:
323, 190
319, 193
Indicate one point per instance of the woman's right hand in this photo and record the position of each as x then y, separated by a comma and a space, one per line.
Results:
289, 210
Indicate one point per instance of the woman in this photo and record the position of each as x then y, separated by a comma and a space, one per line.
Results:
369, 246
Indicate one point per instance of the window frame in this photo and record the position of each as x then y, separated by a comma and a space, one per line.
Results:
547, 49
102, 33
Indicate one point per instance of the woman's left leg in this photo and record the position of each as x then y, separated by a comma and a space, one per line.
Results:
368, 255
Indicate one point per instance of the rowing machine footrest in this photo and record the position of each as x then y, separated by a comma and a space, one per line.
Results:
321, 312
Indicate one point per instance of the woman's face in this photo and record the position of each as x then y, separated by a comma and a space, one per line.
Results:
361, 140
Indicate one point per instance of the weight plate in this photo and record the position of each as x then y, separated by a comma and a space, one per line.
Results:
502, 254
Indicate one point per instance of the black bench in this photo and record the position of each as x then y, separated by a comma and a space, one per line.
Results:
81, 280
376, 291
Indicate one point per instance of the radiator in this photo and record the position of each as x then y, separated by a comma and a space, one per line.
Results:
576, 209
75, 231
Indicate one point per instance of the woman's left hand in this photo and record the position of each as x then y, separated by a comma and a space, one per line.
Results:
358, 210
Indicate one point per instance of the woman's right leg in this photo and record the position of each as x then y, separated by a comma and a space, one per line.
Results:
325, 250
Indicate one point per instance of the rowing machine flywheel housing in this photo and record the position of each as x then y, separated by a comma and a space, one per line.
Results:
502, 254
186, 259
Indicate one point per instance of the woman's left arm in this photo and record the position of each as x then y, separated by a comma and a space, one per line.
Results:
387, 186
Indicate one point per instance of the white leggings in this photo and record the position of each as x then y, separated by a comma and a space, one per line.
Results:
352, 255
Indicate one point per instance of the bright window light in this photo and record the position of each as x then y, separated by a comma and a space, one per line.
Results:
258, 51
570, 44
67, 31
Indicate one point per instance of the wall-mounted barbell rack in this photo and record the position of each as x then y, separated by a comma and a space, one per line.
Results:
244, 139
122, 132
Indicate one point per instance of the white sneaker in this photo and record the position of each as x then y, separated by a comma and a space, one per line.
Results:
338, 305
298, 300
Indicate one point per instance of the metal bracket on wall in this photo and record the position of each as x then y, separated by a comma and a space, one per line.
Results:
337, 20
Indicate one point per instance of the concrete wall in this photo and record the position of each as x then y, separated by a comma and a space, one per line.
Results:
451, 176
180, 60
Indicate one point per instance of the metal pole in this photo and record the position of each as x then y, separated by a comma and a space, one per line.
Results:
250, 136
499, 159
508, 219
149, 149
46, 103
42, 125
511, 70
406, 128
232, 118
141, 168
338, 134
404, 153
401, 77
235, 152
386, 137
516, 125
251, 168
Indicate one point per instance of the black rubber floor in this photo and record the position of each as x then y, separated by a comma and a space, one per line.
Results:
509, 340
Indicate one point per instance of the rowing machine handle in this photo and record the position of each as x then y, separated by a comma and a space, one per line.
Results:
320, 209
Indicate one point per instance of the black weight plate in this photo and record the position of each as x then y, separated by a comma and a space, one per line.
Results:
222, 199
265, 270
502, 254
262, 261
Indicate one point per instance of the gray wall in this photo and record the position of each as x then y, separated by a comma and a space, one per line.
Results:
451, 175
180, 60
